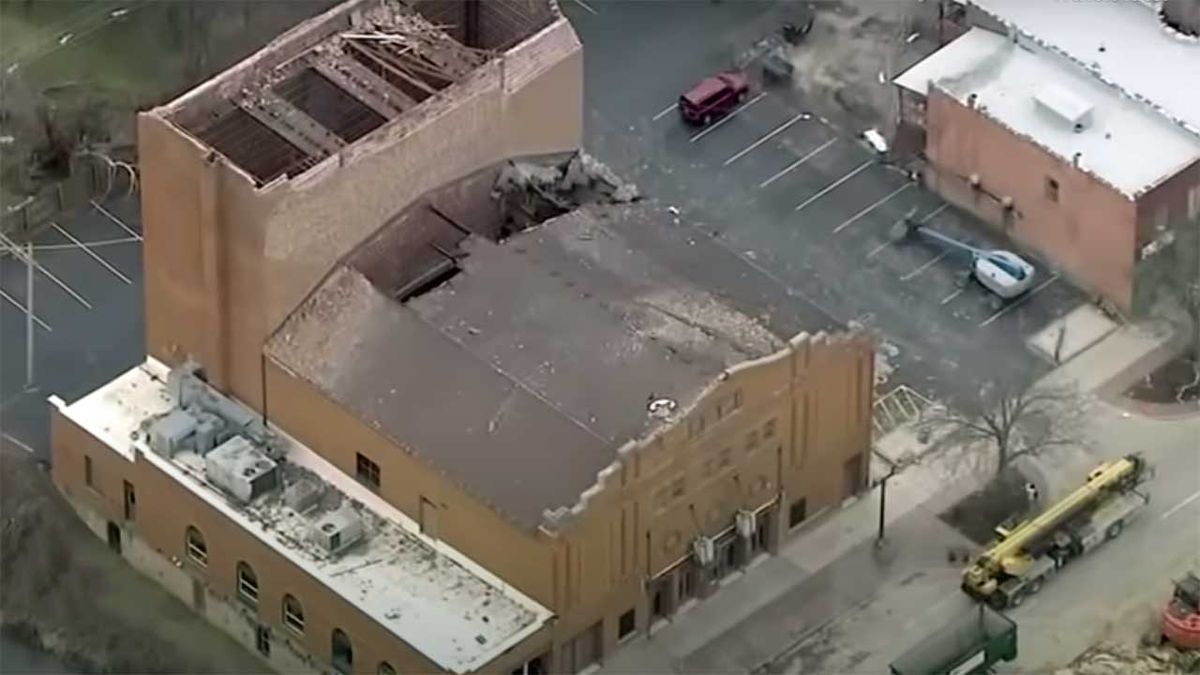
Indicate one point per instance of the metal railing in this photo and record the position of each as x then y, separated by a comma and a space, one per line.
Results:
899, 406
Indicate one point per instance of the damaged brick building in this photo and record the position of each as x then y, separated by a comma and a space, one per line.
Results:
419, 396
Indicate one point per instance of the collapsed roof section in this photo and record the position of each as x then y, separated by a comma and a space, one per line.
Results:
513, 333
341, 75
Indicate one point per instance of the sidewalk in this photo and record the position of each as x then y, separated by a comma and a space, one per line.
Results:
823, 572
786, 613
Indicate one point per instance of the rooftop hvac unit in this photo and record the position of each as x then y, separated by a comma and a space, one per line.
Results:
747, 523
337, 530
704, 550
210, 432
302, 495
1066, 106
241, 469
171, 433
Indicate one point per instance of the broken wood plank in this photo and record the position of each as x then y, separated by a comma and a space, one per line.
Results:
393, 68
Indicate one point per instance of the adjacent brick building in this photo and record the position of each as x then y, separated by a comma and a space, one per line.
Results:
390, 422
1084, 145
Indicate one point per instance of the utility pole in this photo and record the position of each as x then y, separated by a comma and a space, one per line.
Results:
29, 316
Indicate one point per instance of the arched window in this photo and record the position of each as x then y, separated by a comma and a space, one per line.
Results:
197, 551
293, 614
386, 668
343, 652
247, 584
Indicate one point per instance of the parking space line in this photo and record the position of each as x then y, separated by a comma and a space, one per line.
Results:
728, 117
118, 221
93, 254
16, 250
93, 244
875, 251
586, 6
46, 327
953, 295
924, 219
812, 153
934, 213
825, 190
870, 208
1009, 307
665, 111
922, 268
778, 130
17, 442
1181, 505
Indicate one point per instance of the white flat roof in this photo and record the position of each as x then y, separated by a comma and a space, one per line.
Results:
1122, 42
431, 596
1122, 142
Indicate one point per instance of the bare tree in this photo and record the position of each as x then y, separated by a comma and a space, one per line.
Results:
1011, 421
1170, 281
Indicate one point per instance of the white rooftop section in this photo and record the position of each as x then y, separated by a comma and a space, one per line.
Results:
1059, 107
1122, 42
429, 595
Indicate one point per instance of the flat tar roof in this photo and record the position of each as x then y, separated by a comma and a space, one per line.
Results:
426, 593
1122, 142
524, 374
1123, 43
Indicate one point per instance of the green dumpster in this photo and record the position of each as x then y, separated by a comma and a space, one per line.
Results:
971, 644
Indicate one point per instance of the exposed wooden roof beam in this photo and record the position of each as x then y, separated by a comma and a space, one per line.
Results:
291, 123
357, 80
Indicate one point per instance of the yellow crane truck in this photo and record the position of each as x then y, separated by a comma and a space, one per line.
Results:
1023, 557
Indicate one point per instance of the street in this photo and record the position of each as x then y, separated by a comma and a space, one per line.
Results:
1112, 593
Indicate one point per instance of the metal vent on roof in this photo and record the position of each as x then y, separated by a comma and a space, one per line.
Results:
1066, 106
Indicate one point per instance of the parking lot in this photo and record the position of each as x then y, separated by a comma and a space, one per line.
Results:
813, 209
86, 315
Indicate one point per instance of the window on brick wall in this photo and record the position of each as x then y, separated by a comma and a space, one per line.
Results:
627, 624
367, 471
1051, 189
293, 614
247, 584
197, 550
87, 471
798, 512
1193, 202
341, 651
1162, 218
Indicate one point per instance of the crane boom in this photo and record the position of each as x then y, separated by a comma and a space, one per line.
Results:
1107, 476
1012, 556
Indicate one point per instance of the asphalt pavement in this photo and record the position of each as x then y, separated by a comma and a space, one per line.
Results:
813, 208
86, 314
1113, 592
